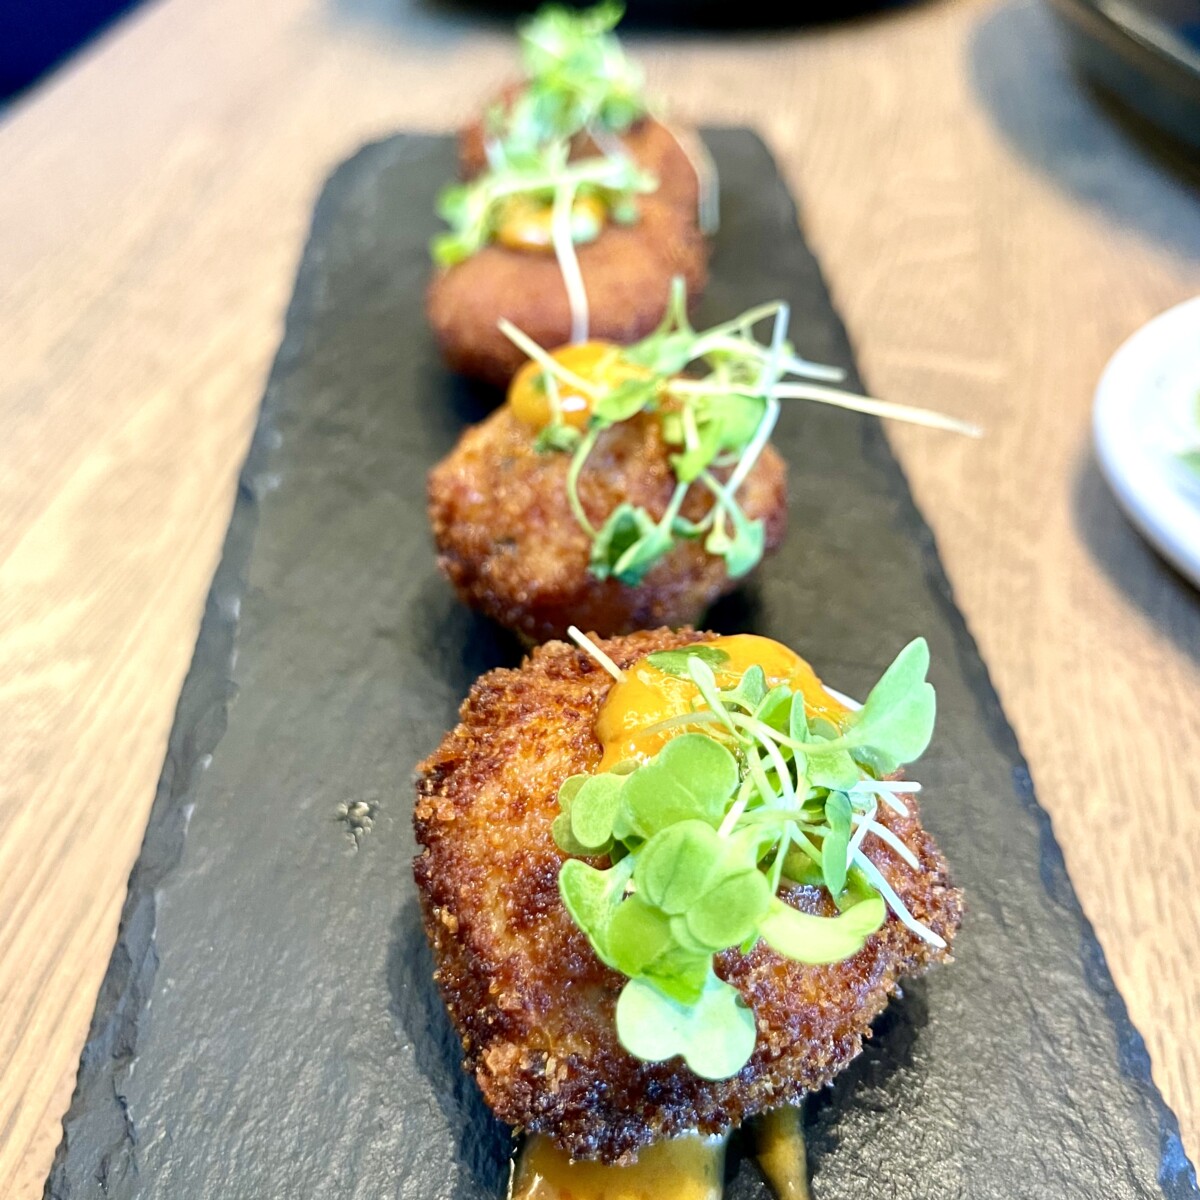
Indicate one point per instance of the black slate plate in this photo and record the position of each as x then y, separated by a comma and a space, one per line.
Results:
268, 1028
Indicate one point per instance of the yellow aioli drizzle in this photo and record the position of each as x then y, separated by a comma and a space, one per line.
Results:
779, 1145
685, 1168
647, 696
595, 362
528, 224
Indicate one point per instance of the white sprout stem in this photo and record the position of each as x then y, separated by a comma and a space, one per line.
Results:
708, 195
887, 790
781, 850
524, 342
693, 718
609, 143
884, 834
568, 261
762, 435
704, 679
756, 772
768, 374
894, 902
590, 648
753, 727
691, 434
733, 816
876, 408
835, 397
741, 323
791, 363
578, 459
861, 832
877, 786
603, 172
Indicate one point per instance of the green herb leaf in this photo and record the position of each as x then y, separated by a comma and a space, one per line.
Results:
744, 550
592, 897
675, 866
560, 830
593, 810
730, 910
751, 689
626, 400
628, 544
895, 724
834, 769
809, 939
638, 934
837, 842
777, 708
559, 437
715, 1035
692, 778
688, 465
675, 662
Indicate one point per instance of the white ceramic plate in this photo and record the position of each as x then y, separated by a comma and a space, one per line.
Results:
1145, 412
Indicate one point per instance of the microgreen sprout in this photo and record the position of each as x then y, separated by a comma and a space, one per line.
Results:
577, 79
750, 795
474, 210
590, 648
716, 424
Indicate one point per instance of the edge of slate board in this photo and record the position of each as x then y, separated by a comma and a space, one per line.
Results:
200, 722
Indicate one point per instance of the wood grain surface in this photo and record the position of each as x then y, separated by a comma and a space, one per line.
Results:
990, 233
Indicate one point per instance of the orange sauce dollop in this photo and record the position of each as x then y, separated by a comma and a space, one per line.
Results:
596, 362
528, 224
647, 696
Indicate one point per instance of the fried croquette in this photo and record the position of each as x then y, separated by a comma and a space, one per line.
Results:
655, 147
627, 273
509, 543
533, 1004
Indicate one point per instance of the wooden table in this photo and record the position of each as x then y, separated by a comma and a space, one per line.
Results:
989, 234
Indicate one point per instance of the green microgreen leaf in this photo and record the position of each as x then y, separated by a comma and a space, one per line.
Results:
560, 437
895, 724
560, 830
593, 810
811, 939
628, 545
675, 866
714, 1035
830, 768
675, 662
626, 400
742, 549
592, 897
730, 910
836, 843
751, 689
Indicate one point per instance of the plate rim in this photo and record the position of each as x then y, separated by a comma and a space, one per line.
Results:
1146, 493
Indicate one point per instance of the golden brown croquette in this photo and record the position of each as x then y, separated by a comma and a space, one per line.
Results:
533, 1004
511, 546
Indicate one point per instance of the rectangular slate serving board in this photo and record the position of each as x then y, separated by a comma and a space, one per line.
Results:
267, 1027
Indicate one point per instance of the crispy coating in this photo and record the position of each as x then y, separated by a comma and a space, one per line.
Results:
651, 144
627, 273
511, 546
533, 1004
